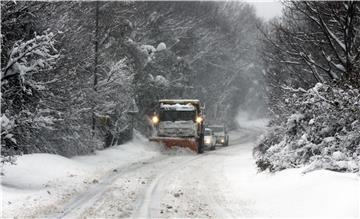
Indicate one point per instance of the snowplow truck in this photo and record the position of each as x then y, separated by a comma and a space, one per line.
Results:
179, 123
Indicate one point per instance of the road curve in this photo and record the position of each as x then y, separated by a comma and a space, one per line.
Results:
197, 178
170, 185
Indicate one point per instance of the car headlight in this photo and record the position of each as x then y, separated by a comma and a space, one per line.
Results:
222, 140
207, 141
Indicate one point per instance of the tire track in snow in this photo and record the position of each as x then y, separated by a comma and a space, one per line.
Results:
86, 199
149, 204
209, 175
218, 201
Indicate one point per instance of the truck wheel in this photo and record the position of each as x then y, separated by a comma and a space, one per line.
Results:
200, 149
201, 144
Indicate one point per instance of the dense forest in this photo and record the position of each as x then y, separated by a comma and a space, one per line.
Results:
78, 76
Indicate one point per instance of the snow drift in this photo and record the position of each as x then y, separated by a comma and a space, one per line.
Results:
38, 181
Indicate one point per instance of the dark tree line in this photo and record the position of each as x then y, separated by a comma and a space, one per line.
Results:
74, 73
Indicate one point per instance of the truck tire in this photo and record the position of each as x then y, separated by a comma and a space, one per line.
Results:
201, 144
200, 149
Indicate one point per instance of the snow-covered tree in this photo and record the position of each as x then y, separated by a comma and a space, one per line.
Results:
30, 57
312, 60
21, 89
115, 56
314, 42
113, 100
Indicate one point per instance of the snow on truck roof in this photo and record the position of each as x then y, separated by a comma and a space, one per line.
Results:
180, 104
180, 101
178, 107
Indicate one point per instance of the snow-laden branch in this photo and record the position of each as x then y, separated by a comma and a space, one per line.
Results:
293, 89
30, 56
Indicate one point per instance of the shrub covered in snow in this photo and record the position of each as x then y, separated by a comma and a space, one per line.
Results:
319, 127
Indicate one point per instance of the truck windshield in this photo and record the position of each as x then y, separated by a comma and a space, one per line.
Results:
172, 115
217, 129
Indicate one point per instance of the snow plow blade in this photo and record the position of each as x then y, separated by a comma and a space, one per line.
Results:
191, 143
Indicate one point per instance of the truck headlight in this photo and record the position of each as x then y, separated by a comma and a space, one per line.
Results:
199, 119
207, 141
222, 140
155, 120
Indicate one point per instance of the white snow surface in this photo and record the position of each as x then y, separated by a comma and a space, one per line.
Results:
290, 193
178, 107
149, 182
41, 180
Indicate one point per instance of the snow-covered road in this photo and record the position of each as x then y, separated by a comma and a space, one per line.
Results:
217, 184
174, 184
191, 186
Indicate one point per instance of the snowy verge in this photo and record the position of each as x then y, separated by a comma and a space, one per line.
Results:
289, 193
38, 181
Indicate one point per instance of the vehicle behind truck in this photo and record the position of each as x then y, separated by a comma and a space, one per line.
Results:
179, 122
209, 139
221, 134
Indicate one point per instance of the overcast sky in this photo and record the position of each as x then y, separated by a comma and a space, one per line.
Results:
267, 9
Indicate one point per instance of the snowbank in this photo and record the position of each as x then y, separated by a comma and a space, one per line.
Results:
46, 179
290, 193
33, 171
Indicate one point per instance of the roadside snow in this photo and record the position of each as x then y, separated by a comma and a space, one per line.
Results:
175, 183
40, 181
289, 193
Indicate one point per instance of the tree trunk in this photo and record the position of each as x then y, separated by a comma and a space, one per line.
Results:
96, 44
